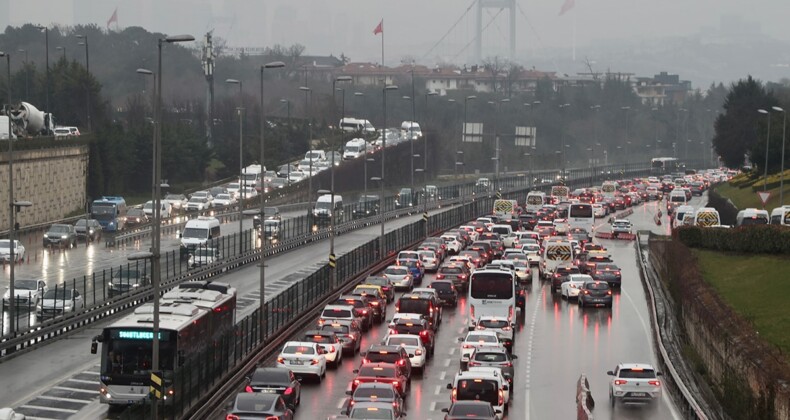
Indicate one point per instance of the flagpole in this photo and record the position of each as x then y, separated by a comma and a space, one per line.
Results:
382, 45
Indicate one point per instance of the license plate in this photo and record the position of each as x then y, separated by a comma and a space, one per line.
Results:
296, 362
638, 394
268, 391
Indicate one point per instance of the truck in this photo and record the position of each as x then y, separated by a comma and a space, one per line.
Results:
29, 121
4, 128
110, 211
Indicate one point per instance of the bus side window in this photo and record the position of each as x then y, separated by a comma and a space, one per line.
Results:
181, 358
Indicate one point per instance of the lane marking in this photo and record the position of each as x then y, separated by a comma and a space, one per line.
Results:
48, 397
530, 346
446, 362
437, 390
452, 350
55, 409
66, 388
341, 403
442, 375
81, 381
433, 406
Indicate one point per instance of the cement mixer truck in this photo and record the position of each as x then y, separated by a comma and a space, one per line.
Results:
28, 121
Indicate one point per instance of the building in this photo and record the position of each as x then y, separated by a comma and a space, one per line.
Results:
662, 89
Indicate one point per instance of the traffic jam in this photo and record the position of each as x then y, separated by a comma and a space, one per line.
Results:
477, 277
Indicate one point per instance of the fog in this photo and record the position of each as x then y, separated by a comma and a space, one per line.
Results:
604, 29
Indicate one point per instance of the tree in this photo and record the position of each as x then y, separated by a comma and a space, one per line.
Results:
736, 129
494, 66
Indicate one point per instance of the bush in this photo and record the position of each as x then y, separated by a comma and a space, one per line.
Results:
765, 239
772, 181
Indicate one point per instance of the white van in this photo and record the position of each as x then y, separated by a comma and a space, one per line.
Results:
315, 155
323, 209
410, 130
554, 254
707, 217
609, 188
781, 215
251, 175
751, 216
680, 213
535, 200
198, 232
506, 209
477, 385
354, 125
354, 149
148, 209
677, 198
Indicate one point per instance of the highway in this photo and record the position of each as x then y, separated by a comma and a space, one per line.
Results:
60, 379
556, 342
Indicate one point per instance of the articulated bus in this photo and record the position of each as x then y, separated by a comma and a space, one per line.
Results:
664, 165
192, 317
492, 292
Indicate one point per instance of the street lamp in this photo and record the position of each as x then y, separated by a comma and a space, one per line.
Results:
767, 139
562, 138
262, 278
87, 78
46, 56
595, 108
308, 107
27, 73
64, 51
425, 143
782, 170
156, 226
147, 72
384, 91
241, 165
411, 131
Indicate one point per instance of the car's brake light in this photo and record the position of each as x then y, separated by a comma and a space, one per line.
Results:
620, 382
314, 362
248, 389
288, 391
501, 398
280, 360
418, 352
440, 276
654, 383
472, 363
231, 417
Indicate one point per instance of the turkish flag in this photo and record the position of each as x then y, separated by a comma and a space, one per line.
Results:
113, 18
568, 5
380, 28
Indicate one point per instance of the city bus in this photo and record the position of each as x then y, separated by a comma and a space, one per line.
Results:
110, 212
492, 292
581, 215
192, 317
664, 165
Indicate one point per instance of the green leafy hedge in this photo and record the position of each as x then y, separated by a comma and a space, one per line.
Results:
764, 239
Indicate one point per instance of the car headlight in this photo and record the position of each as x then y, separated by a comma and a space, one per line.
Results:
46, 236
64, 236
91, 231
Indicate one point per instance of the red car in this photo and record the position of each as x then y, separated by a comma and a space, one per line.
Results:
383, 373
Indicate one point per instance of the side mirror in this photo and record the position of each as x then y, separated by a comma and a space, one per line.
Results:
363, 353
498, 411
355, 371
411, 354
505, 388
659, 373
461, 339
403, 414
445, 410
348, 392
94, 347
449, 386
513, 356
610, 373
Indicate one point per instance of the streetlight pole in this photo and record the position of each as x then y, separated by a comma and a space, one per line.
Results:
562, 140
425, 158
411, 140
463, 129
595, 108
767, 140
383, 154
496, 135
361, 96
147, 72
287, 103
153, 255
655, 130
262, 278
241, 165
782, 170
308, 108
87, 79
626, 109
27, 72
46, 60
333, 212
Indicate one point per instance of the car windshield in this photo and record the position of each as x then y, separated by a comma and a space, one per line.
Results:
298, 350
442, 286
383, 356
25, 284
271, 376
192, 200
606, 267
255, 403
371, 413
317, 338
195, 233
396, 271
597, 285
179, 197
223, 197
205, 252
414, 306
59, 229
127, 274
337, 329
60, 293
477, 338
403, 341
496, 357
468, 410
80, 223
378, 281
477, 389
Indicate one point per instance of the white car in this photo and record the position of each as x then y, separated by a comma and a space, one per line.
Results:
473, 234
204, 256
475, 340
504, 329
572, 287
224, 200
599, 210
177, 202
303, 358
453, 244
403, 315
621, 226
249, 193
296, 176
533, 253
463, 260
634, 383
27, 292
10, 414
202, 194
198, 204
418, 354
429, 260
5, 250
496, 372
233, 189
58, 301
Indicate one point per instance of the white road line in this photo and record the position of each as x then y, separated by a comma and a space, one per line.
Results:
82, 381
433, 406
59, 410
66, 388
341, 403
452, 350
47, 397
442, 375
90, 372
38, 418
438, 390
530, 346
647, 330
447, 362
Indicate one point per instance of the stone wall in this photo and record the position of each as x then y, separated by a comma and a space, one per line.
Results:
53, 179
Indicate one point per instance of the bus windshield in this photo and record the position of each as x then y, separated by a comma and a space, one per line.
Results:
580, 210
133, 356
491, 286
103, 211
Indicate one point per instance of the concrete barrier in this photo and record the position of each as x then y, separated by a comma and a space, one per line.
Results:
584, 400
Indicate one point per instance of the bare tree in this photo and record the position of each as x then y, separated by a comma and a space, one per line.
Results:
494, 66
512, 72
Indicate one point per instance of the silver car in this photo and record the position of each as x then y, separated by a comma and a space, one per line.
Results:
400, 276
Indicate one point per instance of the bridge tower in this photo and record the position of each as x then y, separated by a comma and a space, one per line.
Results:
494, 4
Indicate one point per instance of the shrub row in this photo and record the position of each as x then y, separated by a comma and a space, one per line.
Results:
764, 239
727, 211
772, 181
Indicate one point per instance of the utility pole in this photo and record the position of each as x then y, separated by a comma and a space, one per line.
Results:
208, 71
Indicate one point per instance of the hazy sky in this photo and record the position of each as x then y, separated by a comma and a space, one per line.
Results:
412, 26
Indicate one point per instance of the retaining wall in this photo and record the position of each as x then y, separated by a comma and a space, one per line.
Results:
53, 179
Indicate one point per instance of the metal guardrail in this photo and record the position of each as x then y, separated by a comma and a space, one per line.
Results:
690, 404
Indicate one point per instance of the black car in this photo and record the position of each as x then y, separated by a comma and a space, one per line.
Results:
257, 405
136, 217
60, 235
458, 274
127, 279
272, 380
91, 233
560, 276
528, 221
446, 291
368, 205
595, 293
608, 272
386, 286
376, 392
470, 410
